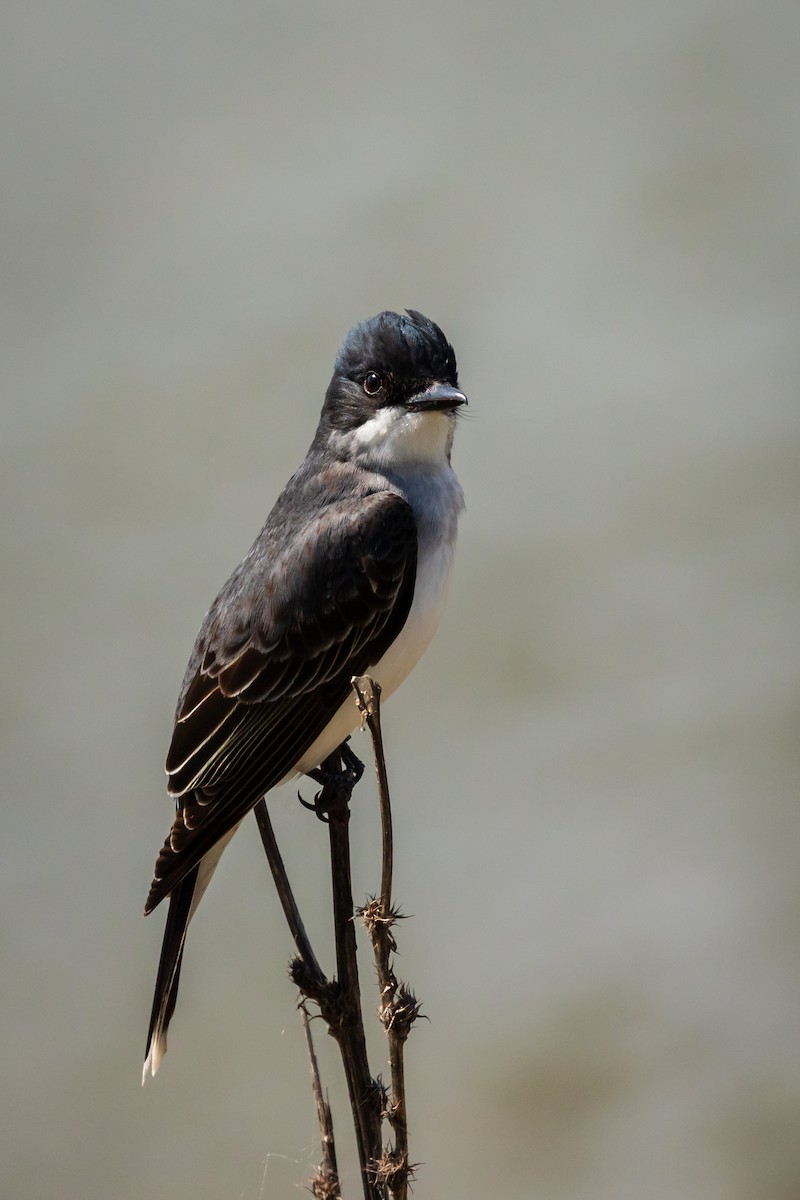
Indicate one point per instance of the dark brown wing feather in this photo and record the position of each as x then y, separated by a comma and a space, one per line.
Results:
273, 663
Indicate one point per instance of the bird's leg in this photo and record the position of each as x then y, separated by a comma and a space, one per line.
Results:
338, 773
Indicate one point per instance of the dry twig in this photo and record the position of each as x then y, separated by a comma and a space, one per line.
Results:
398, 1008
386, 1170
325, 1183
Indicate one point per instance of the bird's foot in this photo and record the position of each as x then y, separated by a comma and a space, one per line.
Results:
338, 774
347, 774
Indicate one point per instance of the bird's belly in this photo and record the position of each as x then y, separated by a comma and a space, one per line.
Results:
430, 595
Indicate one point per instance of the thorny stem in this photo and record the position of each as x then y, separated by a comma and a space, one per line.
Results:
339, 1000
365, 1100
398, 1006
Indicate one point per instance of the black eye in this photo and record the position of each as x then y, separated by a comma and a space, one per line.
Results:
372, 383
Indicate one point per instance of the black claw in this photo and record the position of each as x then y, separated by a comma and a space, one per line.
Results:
337, 781
315, 807
348, 776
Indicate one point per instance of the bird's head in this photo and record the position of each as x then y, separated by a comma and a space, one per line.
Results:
394, 394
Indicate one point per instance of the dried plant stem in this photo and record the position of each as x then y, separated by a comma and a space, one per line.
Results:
398, 1007
368, 700
339, 999
325, 1184
285, 893
348, 1029
383, 1171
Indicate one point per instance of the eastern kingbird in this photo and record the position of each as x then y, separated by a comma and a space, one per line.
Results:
348, 575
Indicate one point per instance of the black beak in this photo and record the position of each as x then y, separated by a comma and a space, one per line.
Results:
439, 397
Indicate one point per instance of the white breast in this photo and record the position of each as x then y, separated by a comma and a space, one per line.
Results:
430, 596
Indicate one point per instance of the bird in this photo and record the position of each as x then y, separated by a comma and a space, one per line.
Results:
348, 576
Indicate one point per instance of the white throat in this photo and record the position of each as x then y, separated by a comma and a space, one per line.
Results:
395, 439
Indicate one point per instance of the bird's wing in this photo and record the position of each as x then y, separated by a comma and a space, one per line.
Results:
273, 664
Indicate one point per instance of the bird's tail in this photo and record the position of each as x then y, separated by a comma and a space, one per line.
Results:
169, 971
183, 902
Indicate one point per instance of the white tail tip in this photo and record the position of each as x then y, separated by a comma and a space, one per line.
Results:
157, 1051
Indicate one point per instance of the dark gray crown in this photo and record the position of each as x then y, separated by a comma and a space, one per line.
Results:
411, 346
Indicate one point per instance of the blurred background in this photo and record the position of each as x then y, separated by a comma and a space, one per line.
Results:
594, 770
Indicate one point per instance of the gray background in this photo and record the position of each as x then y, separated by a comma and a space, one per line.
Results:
594, 771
